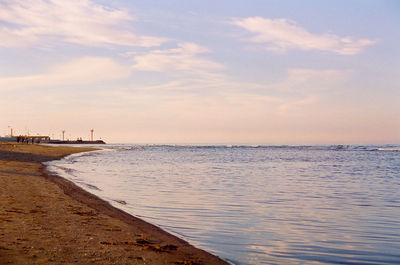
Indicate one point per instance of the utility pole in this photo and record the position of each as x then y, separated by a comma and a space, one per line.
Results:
91, 134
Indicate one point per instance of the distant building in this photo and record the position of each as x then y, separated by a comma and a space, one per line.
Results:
8, 139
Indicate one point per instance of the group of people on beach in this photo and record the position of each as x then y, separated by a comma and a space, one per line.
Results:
27, 140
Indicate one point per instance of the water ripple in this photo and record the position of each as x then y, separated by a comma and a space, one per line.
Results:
259, 204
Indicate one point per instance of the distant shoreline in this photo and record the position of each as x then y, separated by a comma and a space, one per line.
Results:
46, 140
76, 142
49, 219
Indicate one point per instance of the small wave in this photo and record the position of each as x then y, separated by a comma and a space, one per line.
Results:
131, 148
123, 147
66, 169
88, 154
92, 187
121, 202
86, 185
387, 150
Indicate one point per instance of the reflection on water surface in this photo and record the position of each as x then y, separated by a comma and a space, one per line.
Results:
258, 205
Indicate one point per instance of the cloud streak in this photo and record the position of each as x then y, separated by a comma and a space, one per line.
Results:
184, 58
76, 21
280, 35
303, 79
81, 71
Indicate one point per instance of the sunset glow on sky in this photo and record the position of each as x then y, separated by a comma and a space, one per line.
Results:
256, 72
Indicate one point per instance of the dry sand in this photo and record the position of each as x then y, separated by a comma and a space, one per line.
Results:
45, 219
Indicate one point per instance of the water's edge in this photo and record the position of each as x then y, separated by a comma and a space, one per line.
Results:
106, 206
255, 204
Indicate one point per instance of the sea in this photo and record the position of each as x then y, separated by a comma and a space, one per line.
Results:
325, 204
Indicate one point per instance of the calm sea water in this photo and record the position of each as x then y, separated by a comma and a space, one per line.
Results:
257, 205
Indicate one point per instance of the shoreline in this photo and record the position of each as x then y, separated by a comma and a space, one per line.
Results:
48, 219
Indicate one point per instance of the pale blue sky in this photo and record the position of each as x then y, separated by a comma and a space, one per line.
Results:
273, 72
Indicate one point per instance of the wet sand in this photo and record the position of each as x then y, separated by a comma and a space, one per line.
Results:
45, 219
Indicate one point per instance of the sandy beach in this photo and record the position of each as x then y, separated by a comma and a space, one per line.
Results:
45, 219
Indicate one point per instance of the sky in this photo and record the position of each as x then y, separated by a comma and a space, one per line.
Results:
185, 71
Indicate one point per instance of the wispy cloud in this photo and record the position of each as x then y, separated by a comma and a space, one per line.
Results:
299, 89
280, 35
79, 71
75, 21
303, 79
186, 57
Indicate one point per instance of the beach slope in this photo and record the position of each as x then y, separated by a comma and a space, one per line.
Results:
45, 219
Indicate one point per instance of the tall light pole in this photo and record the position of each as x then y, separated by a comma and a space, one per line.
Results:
91, 134
11, 134
63, 132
